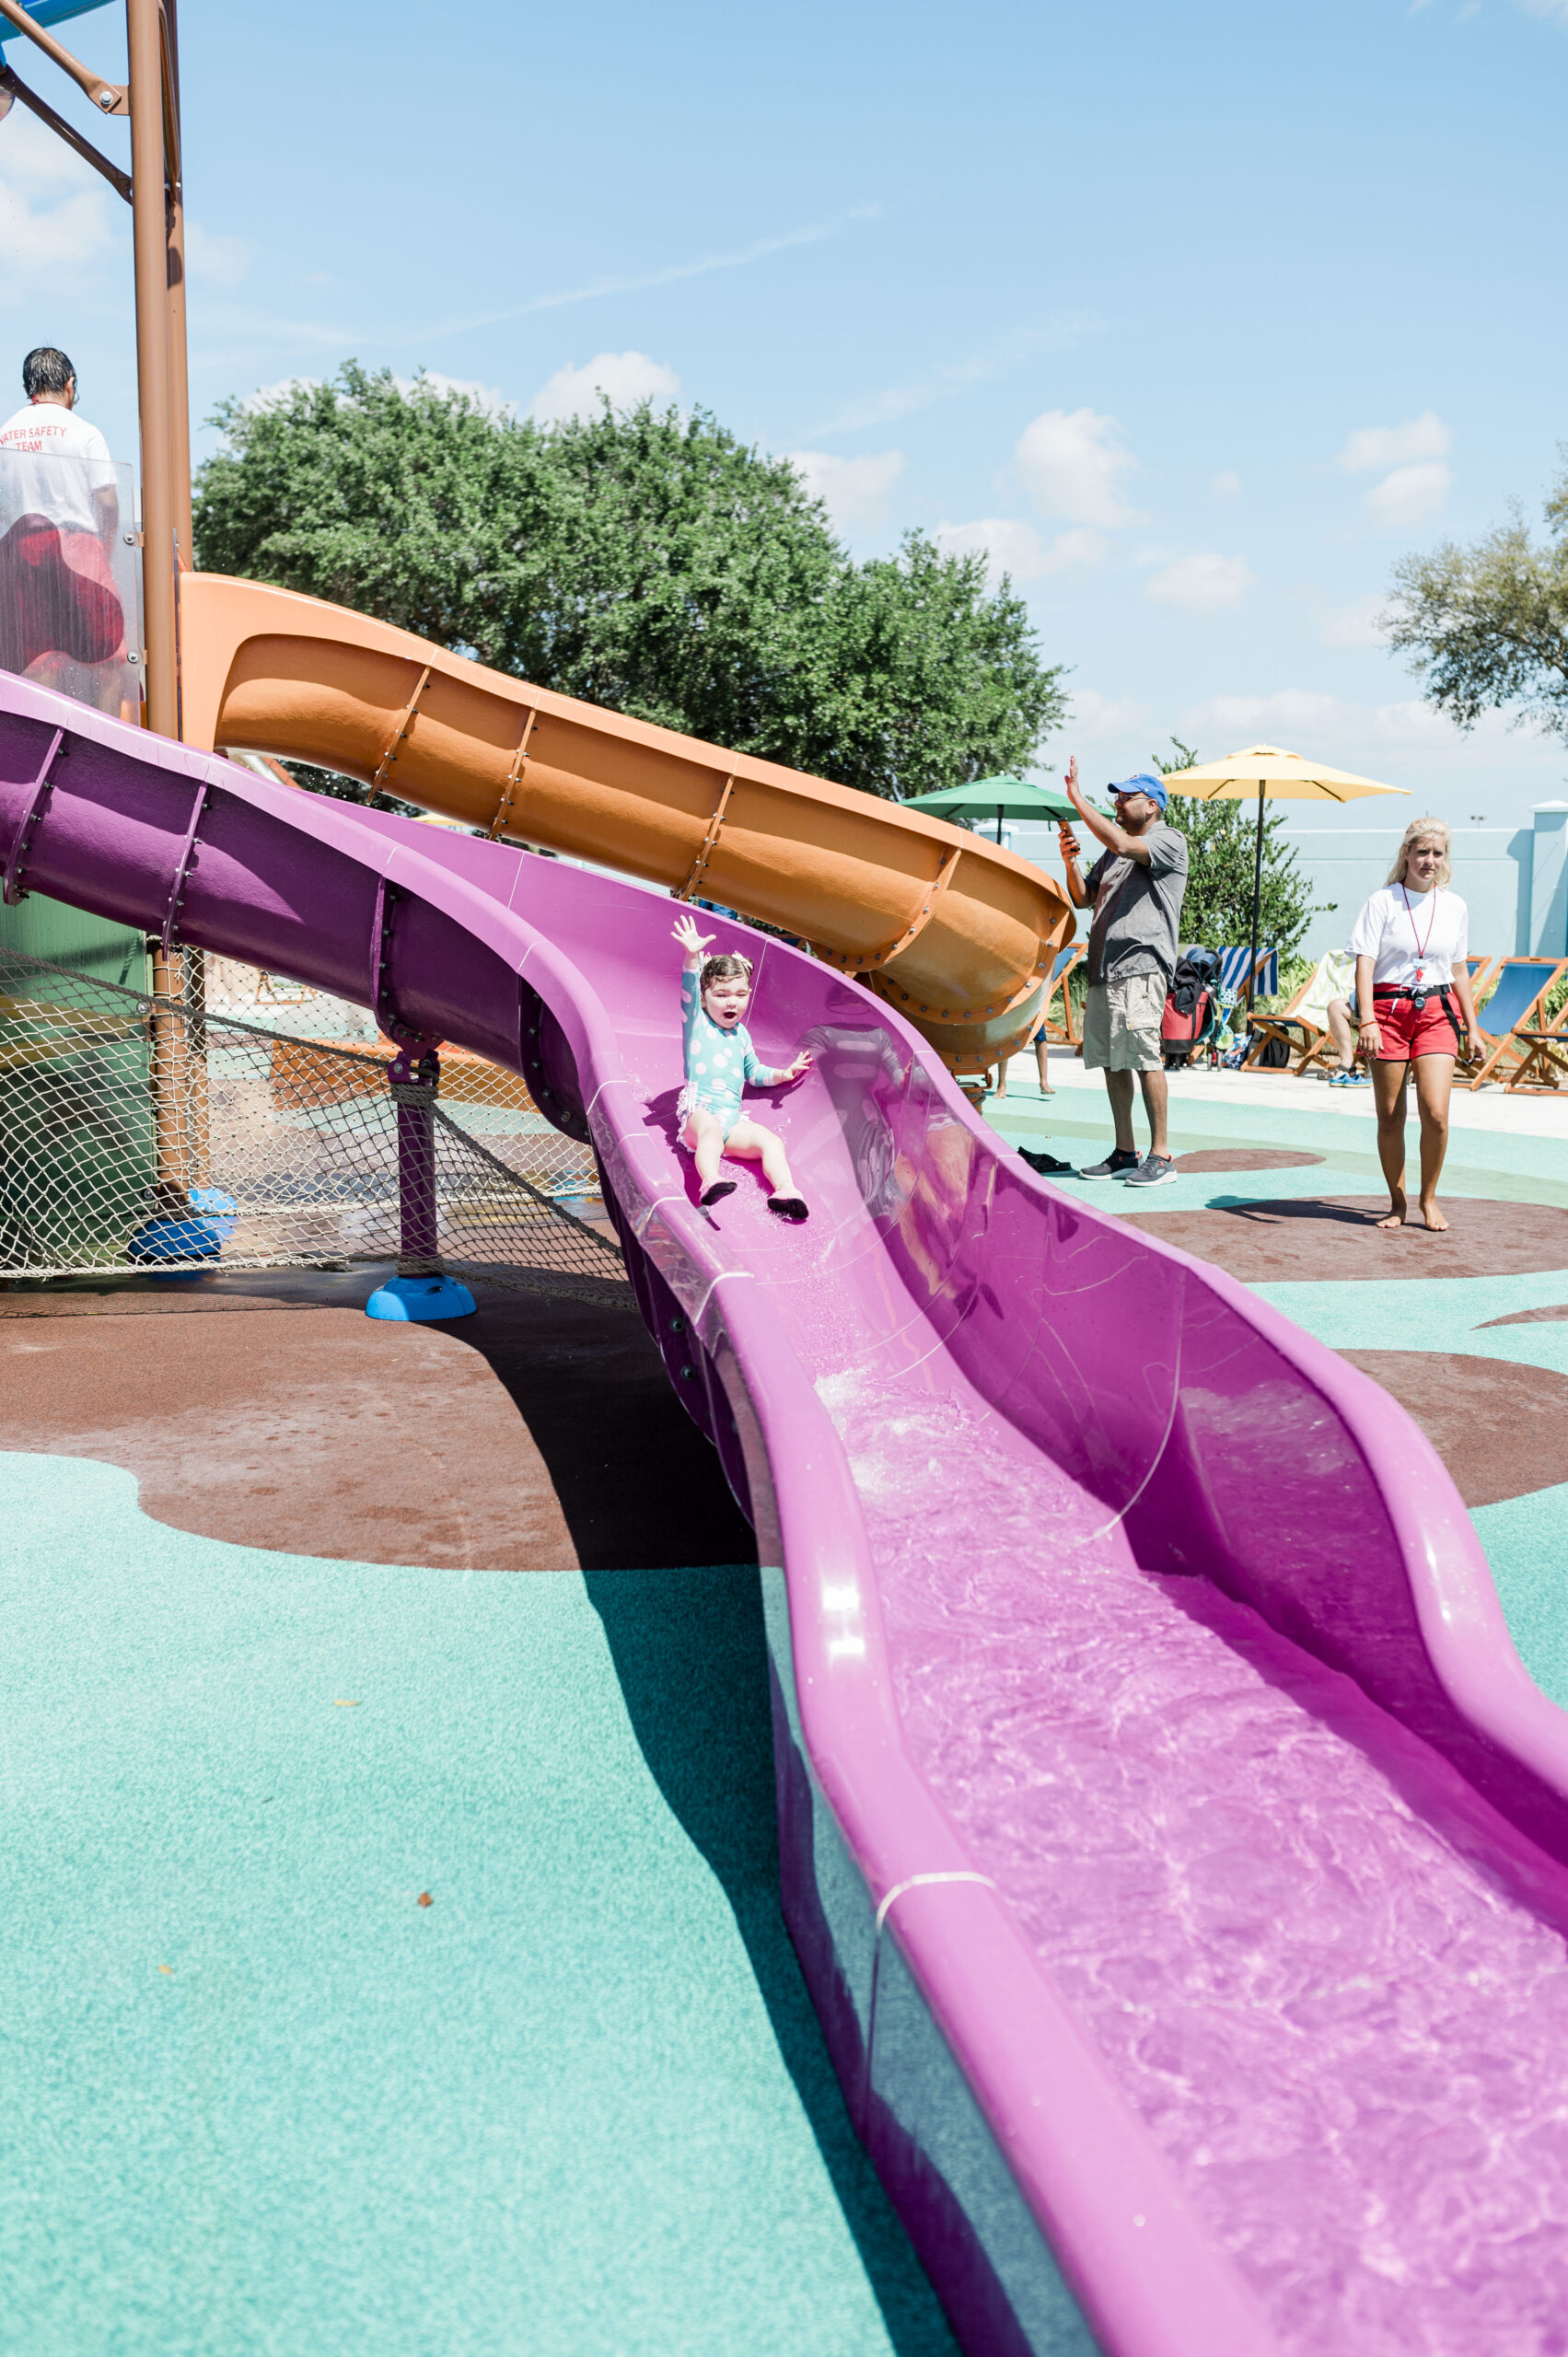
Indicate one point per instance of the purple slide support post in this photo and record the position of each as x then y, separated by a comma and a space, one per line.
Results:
1175, 1847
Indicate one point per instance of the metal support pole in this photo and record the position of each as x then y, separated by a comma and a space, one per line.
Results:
150, 234
179, 1079
419, 1292
11, 81
1257, 896
179, 378
414, 1078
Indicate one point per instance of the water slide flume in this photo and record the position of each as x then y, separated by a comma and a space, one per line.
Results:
1172, 1839
954, 932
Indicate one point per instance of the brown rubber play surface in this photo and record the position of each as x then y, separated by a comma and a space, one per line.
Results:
1313, 1238
1244, 1158
536, 1436
1501, 1429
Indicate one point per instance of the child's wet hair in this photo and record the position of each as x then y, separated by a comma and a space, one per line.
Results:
727, 969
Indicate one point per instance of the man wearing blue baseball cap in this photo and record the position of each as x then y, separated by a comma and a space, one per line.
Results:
1135, 889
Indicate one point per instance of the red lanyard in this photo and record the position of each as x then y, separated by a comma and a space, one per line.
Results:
1420, 945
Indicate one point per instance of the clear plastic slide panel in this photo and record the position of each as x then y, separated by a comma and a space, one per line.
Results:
71, 578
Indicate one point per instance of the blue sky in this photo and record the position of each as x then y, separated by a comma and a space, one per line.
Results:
1196, 318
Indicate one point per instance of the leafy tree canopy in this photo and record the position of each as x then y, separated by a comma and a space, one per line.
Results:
1221, 841
1488, 624
646, 562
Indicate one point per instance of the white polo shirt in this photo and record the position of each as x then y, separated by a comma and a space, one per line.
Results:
52, 461
1410, 936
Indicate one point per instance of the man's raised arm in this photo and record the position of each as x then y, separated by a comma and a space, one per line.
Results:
1106, 831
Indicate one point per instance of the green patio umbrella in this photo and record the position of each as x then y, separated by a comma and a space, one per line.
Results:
997, 798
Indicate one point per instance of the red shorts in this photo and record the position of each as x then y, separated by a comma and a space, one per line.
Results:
1406, 1034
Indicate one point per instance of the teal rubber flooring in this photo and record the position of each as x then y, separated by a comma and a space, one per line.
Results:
257, 2100
256, 2096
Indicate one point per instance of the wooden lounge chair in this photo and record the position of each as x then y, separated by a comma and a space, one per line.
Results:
1061, 1026
1481, 971
1300, 1025
1525, 1052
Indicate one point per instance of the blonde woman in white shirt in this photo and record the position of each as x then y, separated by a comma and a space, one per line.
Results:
1413, 998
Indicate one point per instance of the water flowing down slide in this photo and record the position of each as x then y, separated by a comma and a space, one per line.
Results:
1175, 1847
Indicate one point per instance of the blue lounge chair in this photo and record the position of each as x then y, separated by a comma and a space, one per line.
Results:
1517, 1045
1234, 964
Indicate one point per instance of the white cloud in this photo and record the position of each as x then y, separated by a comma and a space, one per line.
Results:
853, 490
1096, 720
1554, 11
1074, 461
949, 379
1204, 584
1408, 496
1401, 743
624, 379
1227, 484
596, 289
56, 217
271, 396
214, 259
1356, 624
488, 398
1277, 719
1425, 436
1017, 548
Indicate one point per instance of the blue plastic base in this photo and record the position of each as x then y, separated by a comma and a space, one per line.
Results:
174, 1239
420, 1300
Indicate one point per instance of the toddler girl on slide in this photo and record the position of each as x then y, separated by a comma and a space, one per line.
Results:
720, 1060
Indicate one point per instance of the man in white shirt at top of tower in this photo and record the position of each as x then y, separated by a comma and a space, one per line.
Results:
52, 461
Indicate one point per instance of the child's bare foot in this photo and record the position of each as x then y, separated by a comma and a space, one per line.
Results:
720, 1188
1397, 1216
790, 1207
1433, 1218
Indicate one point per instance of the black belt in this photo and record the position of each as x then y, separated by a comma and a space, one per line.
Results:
1418, 998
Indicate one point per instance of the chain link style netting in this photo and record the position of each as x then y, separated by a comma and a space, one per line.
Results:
188, 1132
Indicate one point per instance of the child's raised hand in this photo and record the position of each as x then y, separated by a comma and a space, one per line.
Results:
686, 936
802, 1063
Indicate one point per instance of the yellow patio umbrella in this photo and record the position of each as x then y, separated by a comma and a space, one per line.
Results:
1273, 775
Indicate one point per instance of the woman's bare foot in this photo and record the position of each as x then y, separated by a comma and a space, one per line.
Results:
1433, 1218
1397, 1216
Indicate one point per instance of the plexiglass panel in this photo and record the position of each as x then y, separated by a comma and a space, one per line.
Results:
70, 578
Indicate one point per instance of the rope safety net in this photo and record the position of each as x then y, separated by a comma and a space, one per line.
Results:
190, 1130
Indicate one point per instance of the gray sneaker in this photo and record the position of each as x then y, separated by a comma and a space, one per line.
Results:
1154, 1170
1120, 1164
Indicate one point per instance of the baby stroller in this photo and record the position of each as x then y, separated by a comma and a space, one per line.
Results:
1190, 1021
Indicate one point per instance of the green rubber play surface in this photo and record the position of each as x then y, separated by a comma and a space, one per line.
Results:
258, 2097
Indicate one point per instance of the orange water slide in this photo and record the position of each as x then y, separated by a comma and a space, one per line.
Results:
955, 932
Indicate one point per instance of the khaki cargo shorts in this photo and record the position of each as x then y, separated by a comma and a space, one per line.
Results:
1121, 1025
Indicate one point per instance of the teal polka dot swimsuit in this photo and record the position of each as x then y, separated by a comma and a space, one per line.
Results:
719, 1063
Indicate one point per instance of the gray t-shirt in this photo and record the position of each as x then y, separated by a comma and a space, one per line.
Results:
1137, 918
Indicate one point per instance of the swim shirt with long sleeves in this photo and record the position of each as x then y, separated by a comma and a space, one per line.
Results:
719, 1063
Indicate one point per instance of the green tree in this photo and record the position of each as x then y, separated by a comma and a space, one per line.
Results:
647, 562
1221, 839
1487, 625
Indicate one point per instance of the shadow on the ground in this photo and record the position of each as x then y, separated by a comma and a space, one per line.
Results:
636, 1480
690, 1653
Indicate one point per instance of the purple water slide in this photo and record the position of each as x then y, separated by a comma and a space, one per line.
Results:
1174, 1845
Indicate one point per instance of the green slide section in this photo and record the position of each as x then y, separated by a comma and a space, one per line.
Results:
256, 2096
